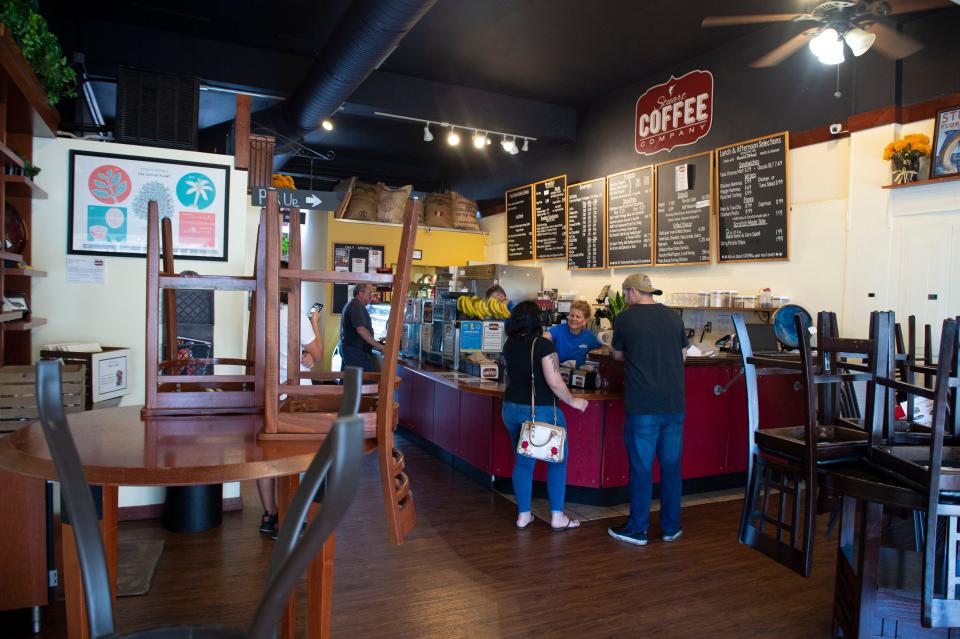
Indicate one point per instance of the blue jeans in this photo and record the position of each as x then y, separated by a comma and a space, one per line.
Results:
513, 416
646, 436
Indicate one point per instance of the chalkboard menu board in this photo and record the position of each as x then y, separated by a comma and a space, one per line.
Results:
752, 197
684, 197
519, 203
550, 207
585, 224
630, 217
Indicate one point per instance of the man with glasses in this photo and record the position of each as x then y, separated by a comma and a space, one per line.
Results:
650, 339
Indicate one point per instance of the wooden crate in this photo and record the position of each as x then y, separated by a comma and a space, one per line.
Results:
18, 392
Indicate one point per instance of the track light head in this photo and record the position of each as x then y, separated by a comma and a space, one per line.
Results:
479, 140
526, 145
427, 134
327, 124
453, 138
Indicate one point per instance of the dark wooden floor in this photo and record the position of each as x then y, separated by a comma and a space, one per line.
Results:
465, 571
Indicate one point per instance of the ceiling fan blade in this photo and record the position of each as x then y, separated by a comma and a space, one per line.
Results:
729, 21
909, 6
892, 44
785, 50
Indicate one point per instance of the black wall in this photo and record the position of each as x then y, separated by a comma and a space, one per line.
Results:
797, 95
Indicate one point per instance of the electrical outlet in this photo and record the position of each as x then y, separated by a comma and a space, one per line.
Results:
708, 327
52, 579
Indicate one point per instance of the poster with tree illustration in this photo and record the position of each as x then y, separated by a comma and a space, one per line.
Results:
109, 195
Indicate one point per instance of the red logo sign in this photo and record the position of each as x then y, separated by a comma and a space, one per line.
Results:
675, 113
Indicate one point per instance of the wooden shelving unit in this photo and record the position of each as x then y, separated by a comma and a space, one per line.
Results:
937, 180
24, 115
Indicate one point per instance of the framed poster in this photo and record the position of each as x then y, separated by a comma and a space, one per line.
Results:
353, 258
107, 212
946, 143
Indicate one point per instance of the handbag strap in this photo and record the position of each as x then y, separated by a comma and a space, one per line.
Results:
533, 388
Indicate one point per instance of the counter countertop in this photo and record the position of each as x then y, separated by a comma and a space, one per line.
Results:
470, 384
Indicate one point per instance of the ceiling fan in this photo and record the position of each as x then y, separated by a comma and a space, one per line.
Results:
861, 25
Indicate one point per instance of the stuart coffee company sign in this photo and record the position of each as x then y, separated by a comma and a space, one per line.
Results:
675, 113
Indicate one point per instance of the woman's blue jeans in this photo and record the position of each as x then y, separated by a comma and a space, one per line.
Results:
647, 436
513, 416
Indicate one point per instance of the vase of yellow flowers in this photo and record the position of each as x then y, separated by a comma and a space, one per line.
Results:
905, 155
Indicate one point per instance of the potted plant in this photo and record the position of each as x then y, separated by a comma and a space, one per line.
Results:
905, 156
40, 48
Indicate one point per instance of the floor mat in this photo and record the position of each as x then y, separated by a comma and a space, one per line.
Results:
588, 512
136, 562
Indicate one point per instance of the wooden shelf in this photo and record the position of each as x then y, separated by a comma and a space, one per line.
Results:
24, 325
13, 257
23, 272
10, 316
9, 158
946, 178
22, 186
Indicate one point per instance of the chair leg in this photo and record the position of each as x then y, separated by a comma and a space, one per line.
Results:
320, 592
749, 497
286, 488
918, 530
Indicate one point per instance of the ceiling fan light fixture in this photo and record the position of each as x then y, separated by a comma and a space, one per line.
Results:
827, 46
859, 40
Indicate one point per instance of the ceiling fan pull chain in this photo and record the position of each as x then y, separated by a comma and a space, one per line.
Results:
838, 95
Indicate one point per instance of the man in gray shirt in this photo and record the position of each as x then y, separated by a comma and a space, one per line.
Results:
650, 339
356, 331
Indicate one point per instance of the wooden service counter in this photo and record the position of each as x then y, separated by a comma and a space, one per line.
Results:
463, 418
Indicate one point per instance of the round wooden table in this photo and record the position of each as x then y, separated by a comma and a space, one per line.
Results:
118, 448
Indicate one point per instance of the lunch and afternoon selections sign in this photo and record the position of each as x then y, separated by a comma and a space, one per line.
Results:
109, 195
676, 113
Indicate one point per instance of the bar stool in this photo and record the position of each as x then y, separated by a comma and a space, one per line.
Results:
787, 460
884, 588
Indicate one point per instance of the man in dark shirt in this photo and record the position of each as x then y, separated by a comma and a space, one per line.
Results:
650, 338
356, 331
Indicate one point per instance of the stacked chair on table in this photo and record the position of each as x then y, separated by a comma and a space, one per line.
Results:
336, 465
883, 587
295, 411
780, 503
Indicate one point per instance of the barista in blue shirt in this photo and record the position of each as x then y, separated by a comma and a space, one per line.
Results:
573, 340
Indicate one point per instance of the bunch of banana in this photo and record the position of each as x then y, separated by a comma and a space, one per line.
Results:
481, 308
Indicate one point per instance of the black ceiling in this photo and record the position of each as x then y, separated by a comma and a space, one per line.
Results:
562, 54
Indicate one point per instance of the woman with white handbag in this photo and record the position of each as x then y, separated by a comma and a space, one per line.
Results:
537, 429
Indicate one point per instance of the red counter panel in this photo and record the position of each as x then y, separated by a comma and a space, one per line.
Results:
446, 417
705, 426
476, 430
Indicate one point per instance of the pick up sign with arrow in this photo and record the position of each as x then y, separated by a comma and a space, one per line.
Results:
298, 199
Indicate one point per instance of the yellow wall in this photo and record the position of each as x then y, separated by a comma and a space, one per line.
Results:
441, 247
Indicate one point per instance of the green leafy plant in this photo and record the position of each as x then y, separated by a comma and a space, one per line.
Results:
615, 305
40, 48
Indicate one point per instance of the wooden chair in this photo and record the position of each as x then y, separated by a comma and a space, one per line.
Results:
878, 585
167, 392
786, 460
337, 465
295, 411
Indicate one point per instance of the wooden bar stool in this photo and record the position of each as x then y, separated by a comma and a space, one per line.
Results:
785, 462
167, 392
881, 589
292, 411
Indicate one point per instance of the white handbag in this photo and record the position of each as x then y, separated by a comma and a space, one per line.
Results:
540, 440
